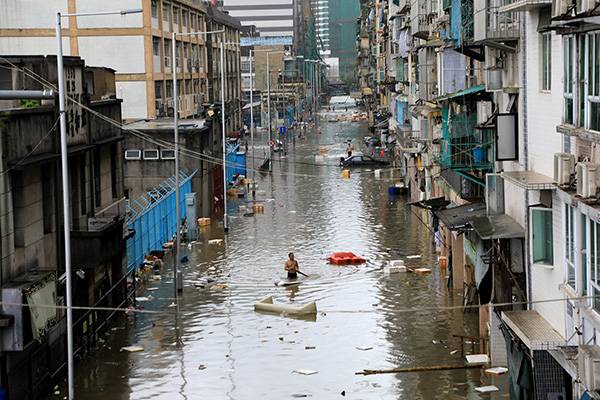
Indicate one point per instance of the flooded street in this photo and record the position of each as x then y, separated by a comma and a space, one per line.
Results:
218, 347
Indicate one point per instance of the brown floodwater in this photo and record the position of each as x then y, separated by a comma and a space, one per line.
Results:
217, 347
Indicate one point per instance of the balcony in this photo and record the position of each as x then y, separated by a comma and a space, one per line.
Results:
490, 24
102, 240
523, 5
422, 17
465, 148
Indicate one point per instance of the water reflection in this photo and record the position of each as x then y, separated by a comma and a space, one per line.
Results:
218, 347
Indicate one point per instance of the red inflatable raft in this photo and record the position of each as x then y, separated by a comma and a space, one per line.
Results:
345, 258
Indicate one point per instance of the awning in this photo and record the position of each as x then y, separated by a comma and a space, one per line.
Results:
566, 357
497, 227
431, 43
533, 330
424, 109
529, 180
457, 218
431, 204
464, 92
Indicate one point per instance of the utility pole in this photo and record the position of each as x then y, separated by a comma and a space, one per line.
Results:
64, 162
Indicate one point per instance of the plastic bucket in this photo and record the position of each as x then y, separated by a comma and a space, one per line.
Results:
478, 155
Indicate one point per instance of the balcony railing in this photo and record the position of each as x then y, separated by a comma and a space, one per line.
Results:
492, 24
422, 16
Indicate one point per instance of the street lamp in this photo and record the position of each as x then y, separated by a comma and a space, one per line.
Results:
64, 160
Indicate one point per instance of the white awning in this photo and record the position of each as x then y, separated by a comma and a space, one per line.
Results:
529, 180
533, 330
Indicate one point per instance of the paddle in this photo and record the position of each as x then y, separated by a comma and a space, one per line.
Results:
302, 273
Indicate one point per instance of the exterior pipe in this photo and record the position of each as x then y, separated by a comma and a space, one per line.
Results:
26, 95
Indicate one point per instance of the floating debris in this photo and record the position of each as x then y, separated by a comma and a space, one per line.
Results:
305, 371
496, 371
487, 389
132, 349
477, 359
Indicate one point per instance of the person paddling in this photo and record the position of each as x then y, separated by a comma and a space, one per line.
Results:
291, 266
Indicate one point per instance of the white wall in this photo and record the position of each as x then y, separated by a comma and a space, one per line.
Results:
125, 54
24, 14
19, 46
544, 109
110, 21
546, 281
514, 203
135, 100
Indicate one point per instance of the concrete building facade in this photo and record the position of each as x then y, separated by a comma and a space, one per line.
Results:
495, 107
142, 59
32, 345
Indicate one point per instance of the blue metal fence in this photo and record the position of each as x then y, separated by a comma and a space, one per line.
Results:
236, 161
153, 218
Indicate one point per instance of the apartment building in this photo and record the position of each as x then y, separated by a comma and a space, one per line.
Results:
32, 338
143, 57
271, 18
494, 106
321, 11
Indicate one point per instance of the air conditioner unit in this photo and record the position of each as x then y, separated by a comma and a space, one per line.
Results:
587, 179
564, 167
589, 366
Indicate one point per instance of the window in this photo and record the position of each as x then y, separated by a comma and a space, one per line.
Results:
82, 184
114, 177
570, 245
156, 46
184, 18
167, 154
546, 61
593, 81
175, 15
169, 86
150, 154
166, 11
568, 59
133, 154
154, 9
48, 197
541, 236
97, 178
158, 90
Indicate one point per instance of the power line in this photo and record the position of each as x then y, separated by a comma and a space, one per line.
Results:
441, 308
